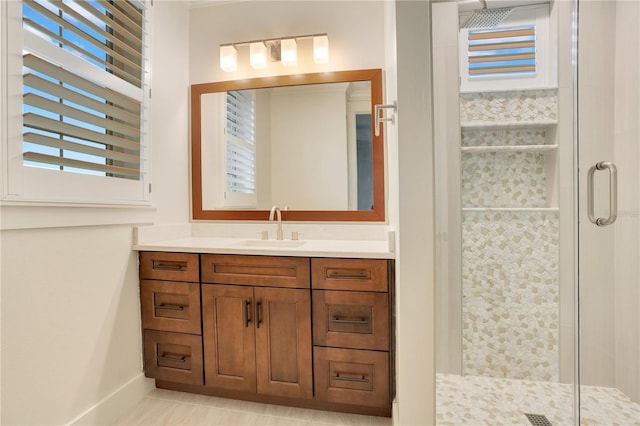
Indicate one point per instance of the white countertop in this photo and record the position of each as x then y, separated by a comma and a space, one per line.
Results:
371, 249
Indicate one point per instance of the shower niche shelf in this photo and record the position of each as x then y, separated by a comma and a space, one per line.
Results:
509, 165
510, 148
503, 125
512, 209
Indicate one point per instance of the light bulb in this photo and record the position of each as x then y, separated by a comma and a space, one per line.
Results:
321, 49
228, 58
288, 52
258, 55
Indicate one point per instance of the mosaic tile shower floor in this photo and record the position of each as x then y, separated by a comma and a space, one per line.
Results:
472, 400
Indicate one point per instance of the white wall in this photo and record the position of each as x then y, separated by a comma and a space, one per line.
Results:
415, 261
71, 348
355, 30
448, 206
309, 148
70, 321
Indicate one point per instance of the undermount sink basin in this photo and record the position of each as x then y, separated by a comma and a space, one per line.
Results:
271, 243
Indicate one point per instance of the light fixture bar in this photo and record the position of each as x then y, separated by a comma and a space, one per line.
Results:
288, 55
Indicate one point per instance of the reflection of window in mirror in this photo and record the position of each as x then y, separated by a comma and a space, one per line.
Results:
239, 140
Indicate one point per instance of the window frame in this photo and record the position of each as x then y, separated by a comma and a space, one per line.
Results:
23, 183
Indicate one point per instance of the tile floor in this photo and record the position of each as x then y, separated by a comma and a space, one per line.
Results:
468, 400
164, 407
473, 400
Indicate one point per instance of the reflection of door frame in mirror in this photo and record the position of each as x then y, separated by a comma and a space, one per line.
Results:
374, 76
357, 103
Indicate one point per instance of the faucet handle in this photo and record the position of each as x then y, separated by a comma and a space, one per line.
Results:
264, 235
295, 235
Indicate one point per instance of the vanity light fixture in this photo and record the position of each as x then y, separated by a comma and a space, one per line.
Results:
284, 49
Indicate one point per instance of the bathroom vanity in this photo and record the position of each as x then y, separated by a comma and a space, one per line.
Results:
295, 329
299, 323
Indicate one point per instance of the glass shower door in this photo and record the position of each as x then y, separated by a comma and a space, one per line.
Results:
609, 212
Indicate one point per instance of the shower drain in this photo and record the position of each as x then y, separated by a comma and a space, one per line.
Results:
538, 419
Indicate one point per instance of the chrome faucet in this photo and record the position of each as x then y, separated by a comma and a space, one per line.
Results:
275, 210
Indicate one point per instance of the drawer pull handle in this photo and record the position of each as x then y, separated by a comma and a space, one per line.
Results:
169, 266
348, 321
170, 307
164, 357
338, 276
362, 379
247, 318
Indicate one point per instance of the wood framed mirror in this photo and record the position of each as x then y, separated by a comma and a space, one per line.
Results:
305, 143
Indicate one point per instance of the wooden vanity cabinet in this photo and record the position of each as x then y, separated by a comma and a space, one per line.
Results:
305, 332
257, 336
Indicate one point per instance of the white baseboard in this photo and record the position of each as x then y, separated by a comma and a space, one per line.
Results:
116, 404
395, 412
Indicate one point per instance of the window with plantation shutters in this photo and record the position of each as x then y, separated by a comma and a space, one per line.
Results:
504, 51
240, 170
83, 94
507, 52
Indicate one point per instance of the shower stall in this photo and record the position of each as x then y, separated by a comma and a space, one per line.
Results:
537, 149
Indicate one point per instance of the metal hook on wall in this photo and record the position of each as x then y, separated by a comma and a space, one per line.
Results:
379, 119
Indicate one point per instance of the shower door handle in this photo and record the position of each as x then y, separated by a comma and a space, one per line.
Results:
613, 193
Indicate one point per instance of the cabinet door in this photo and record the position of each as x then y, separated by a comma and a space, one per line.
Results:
283, 342
229, 337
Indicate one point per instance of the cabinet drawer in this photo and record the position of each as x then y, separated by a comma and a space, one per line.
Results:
173, 357
350, 319
350, 376
349, 274
264, 271
169, 266
170, 306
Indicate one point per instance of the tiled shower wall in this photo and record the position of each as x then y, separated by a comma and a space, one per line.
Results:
510, 283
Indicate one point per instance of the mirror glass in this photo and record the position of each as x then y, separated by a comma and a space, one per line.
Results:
303, 143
